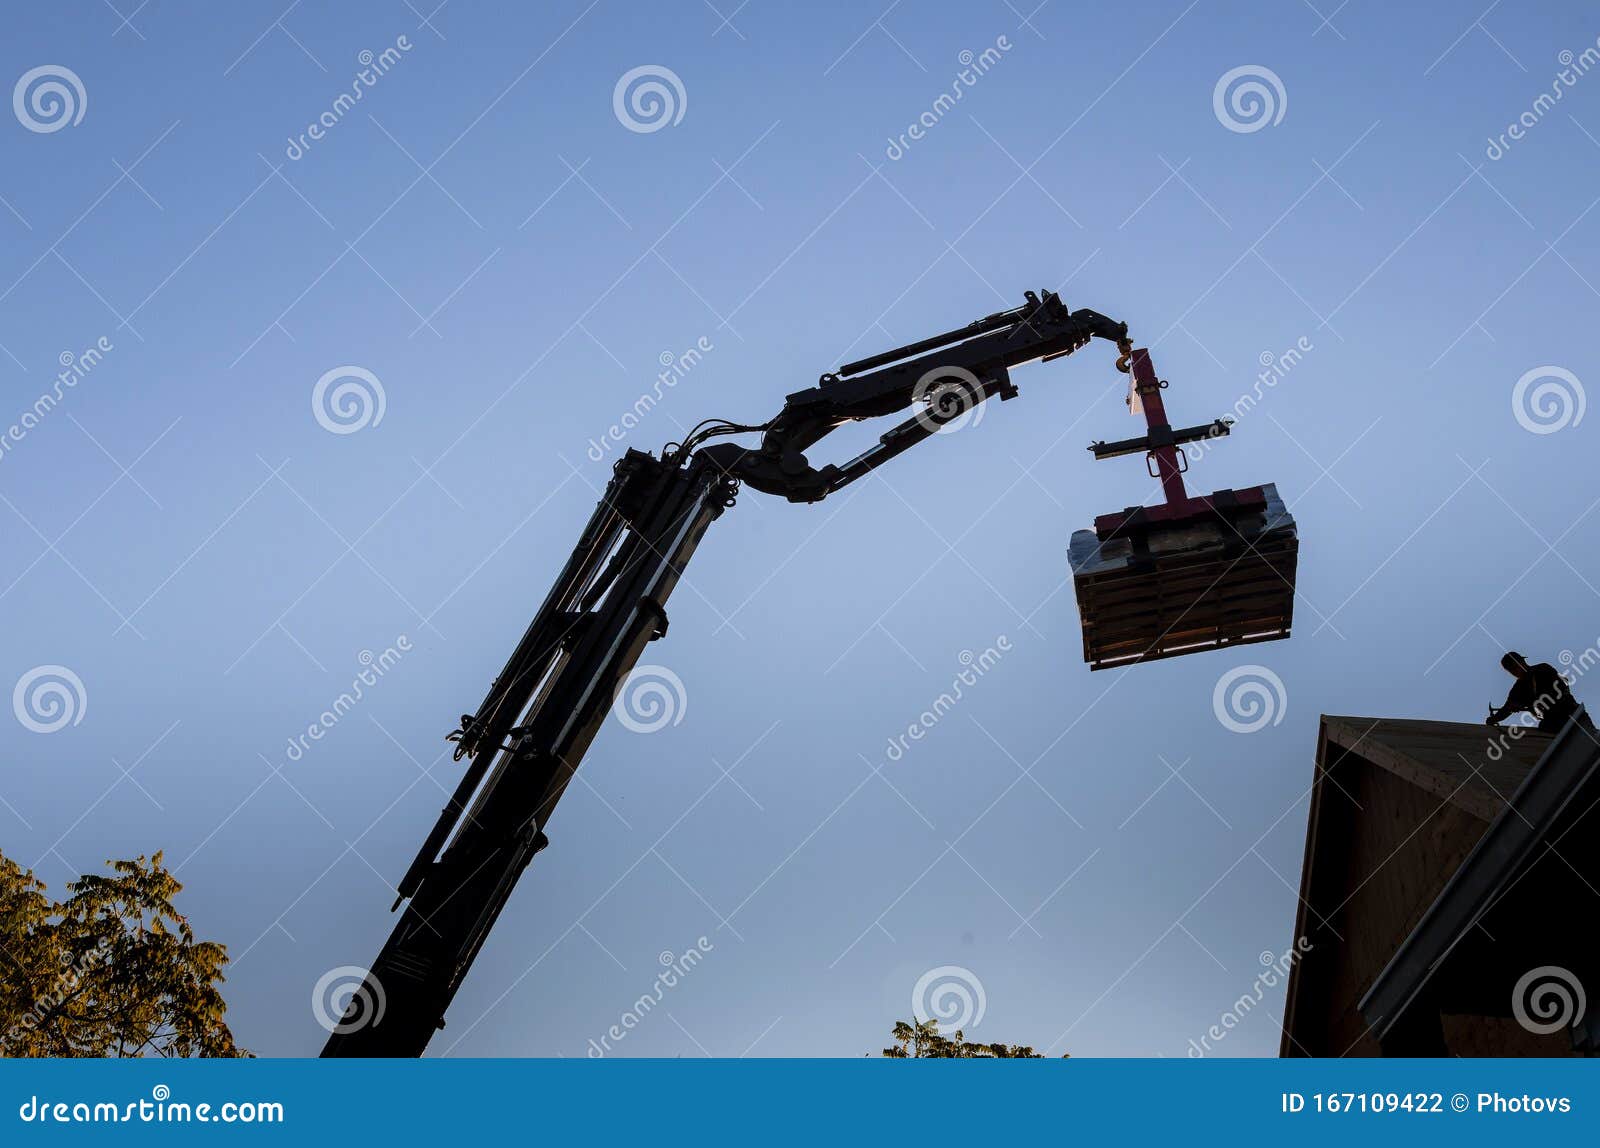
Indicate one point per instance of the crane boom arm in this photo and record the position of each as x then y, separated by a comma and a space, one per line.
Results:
944, 376
526, 742
529, 735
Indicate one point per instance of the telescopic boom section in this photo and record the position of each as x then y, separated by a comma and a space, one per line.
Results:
943, 377
526, 741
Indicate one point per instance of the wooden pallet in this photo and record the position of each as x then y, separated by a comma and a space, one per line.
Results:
1182, 602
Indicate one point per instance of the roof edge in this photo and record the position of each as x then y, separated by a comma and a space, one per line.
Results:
1568, 764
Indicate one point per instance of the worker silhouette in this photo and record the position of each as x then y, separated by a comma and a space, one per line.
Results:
1539, 690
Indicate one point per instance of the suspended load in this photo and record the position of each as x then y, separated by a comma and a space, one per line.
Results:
1188, 574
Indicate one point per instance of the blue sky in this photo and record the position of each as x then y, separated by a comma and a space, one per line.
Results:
486, 237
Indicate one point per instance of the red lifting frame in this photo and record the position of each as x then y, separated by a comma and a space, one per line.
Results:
1178, 505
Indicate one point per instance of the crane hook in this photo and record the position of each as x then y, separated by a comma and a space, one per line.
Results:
1125, 353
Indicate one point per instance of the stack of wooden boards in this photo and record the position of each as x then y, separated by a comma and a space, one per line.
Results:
1159, 590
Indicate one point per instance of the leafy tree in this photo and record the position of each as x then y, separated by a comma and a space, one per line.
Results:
114, 970
914, 1038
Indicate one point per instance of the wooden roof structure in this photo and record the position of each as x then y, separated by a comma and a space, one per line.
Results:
1451, 760
1417, 831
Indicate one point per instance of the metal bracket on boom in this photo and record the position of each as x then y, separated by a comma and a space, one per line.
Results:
1162, 436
